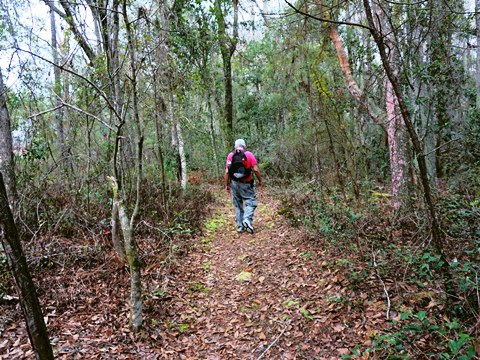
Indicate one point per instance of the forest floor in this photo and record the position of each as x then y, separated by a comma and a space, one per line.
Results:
270, 295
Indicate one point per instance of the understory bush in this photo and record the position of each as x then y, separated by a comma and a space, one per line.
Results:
367, 235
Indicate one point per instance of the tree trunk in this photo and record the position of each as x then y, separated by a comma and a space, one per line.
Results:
212, 136
397, 149
350, 83
396, 131
227, 48
160, 115
7, 166
477, 22
57, 97
178, 142
128, 227
32, 312
441, 80
118, 245
181, 152
136, 318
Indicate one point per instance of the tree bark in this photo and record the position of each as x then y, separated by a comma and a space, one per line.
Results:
136, 318
178, 142
32, 312
477, 22
396, 131
212, 135
57, 94
441, 79
7, 165
227, 48
128, 229
397, 150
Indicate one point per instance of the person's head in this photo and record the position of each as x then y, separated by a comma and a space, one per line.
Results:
240, 144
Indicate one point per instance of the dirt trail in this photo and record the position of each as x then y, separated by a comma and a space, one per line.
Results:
247, 296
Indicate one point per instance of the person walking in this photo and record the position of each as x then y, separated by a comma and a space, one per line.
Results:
240, 167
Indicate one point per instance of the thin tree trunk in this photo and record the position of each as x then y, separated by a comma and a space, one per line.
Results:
57, 95
396, 131
477, 22
118, 245
181, 152
227, 49
212, 136
7, 166
136, 318
128, 227
32, 312
178, 142
350, 83
160, 115
397, 150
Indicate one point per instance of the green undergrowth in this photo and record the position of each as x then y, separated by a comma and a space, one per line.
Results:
366, 242
413, 333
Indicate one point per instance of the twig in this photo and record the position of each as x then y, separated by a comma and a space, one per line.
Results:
478, 293
273, 343
46, 111
383, 284
441, 146
88, 114
154, 228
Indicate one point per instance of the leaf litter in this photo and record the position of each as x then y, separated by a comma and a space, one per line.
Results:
268, 295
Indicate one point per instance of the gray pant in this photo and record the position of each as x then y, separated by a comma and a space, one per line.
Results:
245, 201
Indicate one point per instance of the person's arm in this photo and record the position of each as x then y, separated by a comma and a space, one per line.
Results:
227, 180
256, 170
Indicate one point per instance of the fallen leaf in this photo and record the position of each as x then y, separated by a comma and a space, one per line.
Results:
244, 276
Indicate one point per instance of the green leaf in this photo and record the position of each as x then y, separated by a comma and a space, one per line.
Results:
305, 313
405, 316
421, 315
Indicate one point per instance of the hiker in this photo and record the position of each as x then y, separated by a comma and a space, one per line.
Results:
239, 178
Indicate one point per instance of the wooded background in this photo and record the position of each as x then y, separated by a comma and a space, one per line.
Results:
111, 109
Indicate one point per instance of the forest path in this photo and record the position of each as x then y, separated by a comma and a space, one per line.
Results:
266, 295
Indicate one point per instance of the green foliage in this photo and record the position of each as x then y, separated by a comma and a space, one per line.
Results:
328, 216
409, 335
6, 285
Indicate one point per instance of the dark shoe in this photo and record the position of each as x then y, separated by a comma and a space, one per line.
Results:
248, 226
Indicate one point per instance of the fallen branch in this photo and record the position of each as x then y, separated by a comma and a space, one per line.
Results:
273, 343
375, 266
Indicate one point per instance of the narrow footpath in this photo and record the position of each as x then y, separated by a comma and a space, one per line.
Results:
269, 295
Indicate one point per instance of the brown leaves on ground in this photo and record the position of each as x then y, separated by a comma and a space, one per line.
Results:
269, 295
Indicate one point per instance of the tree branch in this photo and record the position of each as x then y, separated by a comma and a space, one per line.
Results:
298, 11
68, 17
89, 82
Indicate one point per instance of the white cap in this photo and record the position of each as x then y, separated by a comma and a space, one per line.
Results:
240, 144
